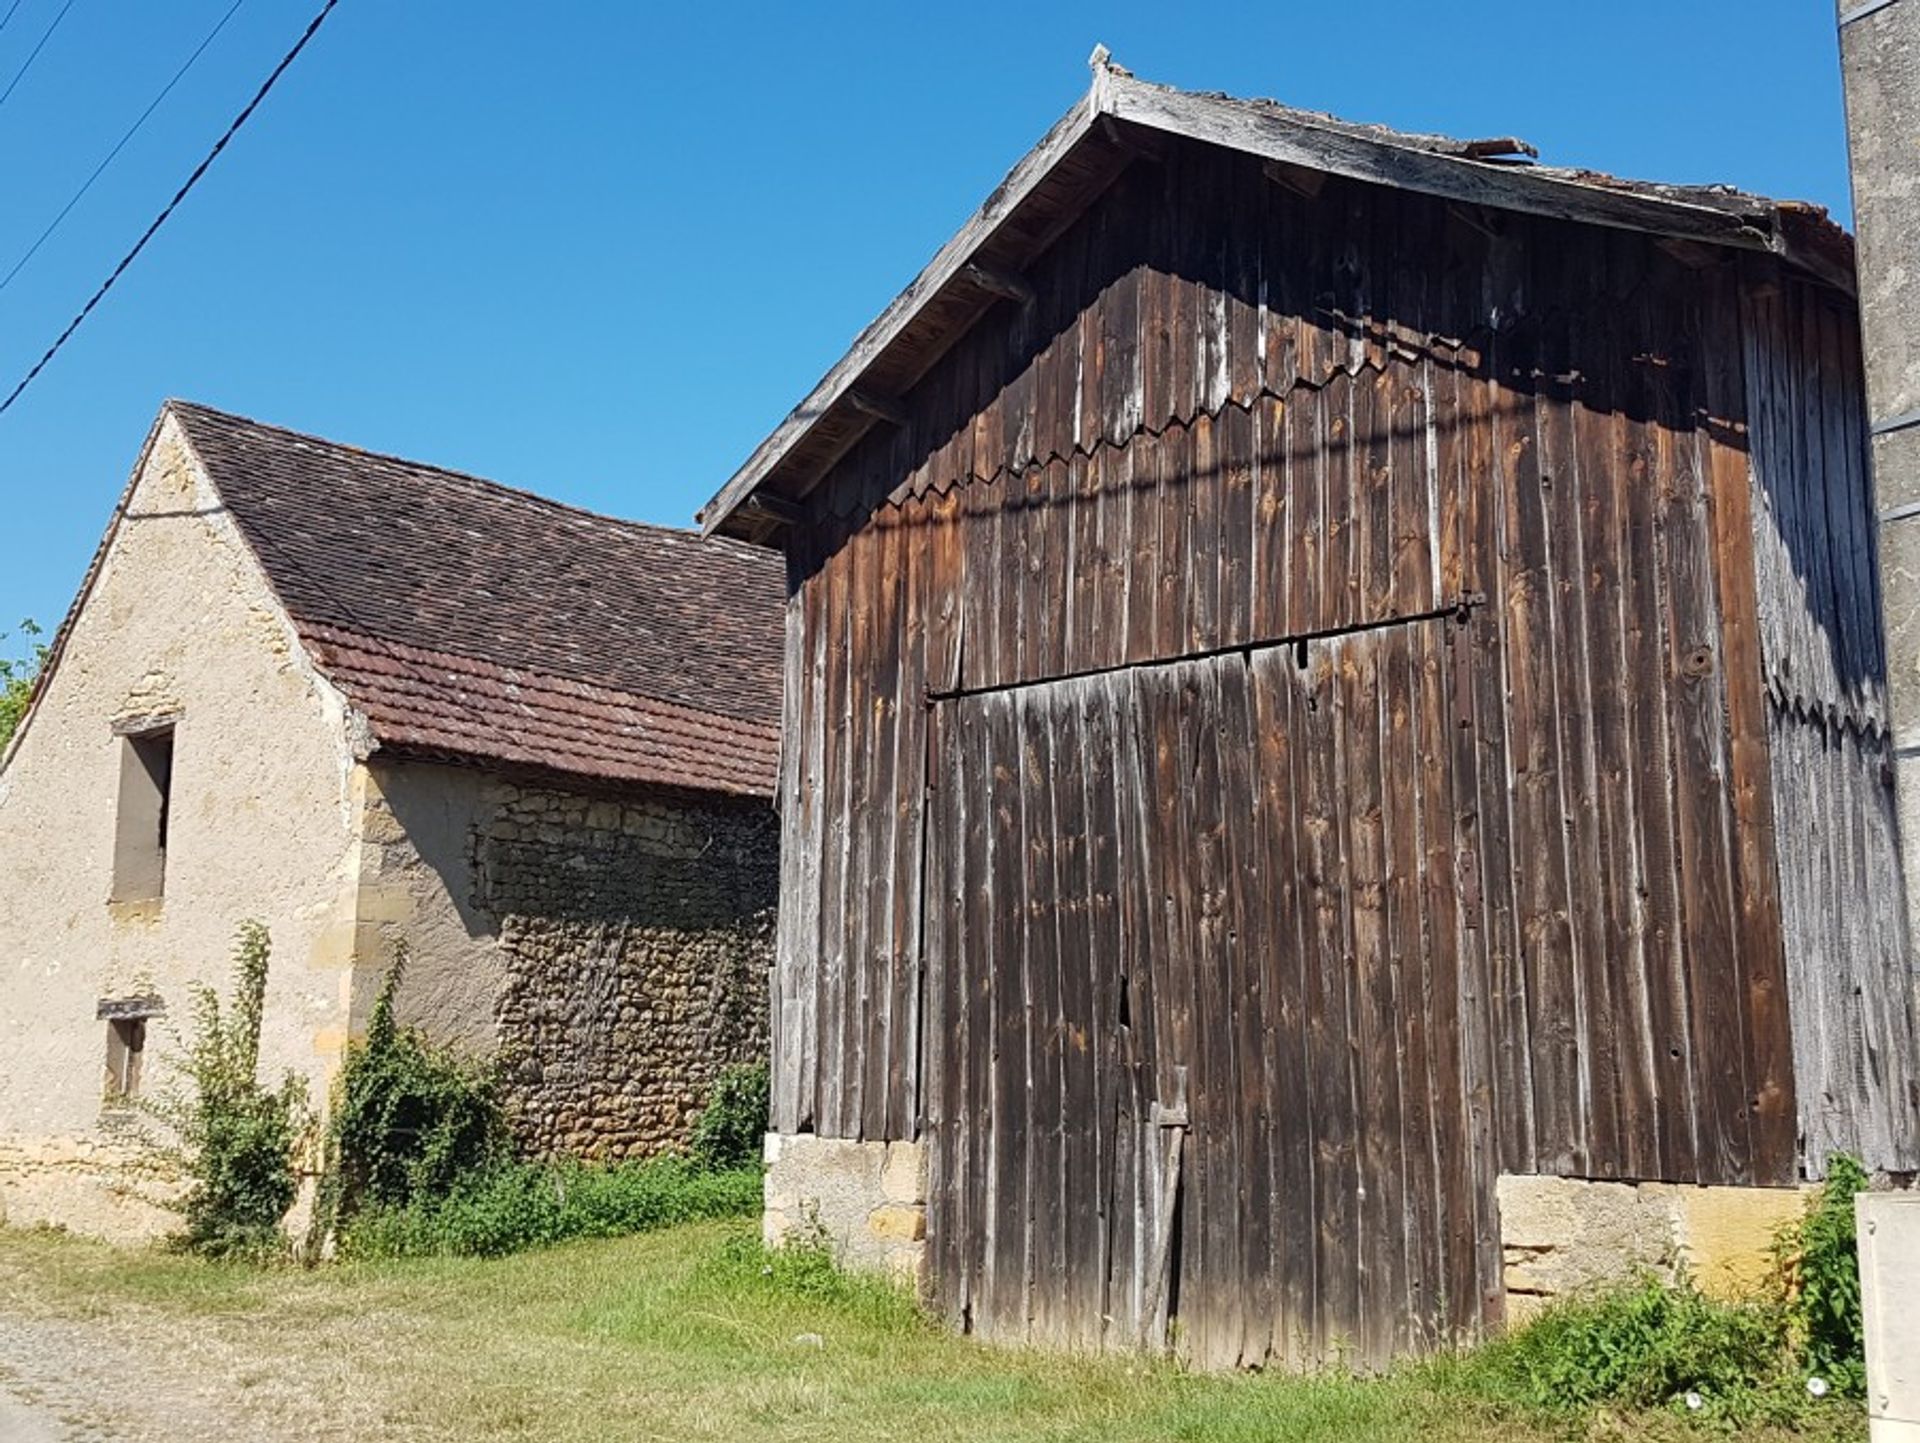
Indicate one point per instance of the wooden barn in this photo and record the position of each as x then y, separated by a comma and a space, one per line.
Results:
1326, 668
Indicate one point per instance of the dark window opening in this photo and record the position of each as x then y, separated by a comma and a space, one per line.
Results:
126, 1046
140, 827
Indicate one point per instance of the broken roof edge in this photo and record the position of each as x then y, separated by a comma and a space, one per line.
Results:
1798, 232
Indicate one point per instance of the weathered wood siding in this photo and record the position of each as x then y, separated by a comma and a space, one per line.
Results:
1856, 1055
1239, 414
1194, 948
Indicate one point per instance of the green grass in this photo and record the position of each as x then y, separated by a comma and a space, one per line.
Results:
515, 1206
694, 1333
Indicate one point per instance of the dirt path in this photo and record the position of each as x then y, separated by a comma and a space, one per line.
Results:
143, 1378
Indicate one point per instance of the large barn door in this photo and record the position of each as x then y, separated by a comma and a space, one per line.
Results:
1194, 1025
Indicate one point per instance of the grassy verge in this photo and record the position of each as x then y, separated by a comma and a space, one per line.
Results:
693, 1333
512, 1207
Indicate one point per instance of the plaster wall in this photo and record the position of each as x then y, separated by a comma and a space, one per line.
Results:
180, 623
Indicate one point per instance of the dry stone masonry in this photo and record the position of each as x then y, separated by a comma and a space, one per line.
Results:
636, 938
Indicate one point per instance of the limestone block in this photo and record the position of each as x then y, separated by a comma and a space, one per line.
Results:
1559, 1234
898, 1223
1725, 1234
903, 1175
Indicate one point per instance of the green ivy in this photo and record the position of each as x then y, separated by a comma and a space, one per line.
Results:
237, 1141
410, 1120
732, 1128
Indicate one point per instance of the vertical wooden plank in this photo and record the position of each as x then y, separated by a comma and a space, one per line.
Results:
1273, 520
1046, 1022
1411, 1023
1570, 560
883, 963
1654, 996
947, 1110
1205, 563
1697, 709
1720, 399
1500, 820
1382, 1204
1539, 861
1311, 458
832, 976
1234, 447
1161, 476
1336, 1168
1287, 964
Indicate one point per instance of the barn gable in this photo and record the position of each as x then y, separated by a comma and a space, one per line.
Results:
1311, 702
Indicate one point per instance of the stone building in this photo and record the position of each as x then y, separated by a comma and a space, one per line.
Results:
363, 701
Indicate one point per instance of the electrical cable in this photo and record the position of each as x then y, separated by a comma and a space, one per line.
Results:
172, 205
34, 55
119, 146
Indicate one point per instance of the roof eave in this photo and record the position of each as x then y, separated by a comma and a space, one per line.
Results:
1120, 112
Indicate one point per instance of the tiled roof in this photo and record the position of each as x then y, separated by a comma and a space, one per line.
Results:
468, 621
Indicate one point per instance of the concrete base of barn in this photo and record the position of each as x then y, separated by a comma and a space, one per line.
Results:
1558, 1235
865, 1200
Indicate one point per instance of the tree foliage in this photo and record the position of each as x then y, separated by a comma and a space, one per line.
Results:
17, 675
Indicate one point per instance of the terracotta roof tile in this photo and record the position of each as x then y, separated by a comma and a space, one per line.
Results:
472, 622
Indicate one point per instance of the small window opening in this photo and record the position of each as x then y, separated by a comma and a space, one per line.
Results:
140, 827
126, 1046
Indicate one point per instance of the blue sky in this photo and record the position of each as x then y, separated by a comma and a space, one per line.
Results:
599, 249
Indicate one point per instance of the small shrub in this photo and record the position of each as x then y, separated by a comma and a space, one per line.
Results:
1819, 1270
237, 1140
514, 1206
411, 1119
1642, 1345
731, 1130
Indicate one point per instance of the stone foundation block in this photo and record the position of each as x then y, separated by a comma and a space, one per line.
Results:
866, 1200
1559, 1235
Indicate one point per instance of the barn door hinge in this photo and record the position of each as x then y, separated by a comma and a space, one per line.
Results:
1172, 1113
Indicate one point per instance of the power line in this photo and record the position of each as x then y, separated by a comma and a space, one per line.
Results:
172, 205
119, 146
7, 19
34, 55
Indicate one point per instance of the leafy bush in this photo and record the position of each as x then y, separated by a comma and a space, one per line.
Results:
237, 1141
513, 1206
411, 1119
17, 676
1819, 1269
1641, 1345
730, 1131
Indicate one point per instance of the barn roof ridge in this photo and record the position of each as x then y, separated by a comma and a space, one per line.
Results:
1119, 116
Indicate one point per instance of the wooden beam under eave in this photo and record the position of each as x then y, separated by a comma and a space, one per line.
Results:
882, 408
996, 281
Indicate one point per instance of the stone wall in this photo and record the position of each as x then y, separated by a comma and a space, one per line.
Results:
866, 1200
611, 951
637, 938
